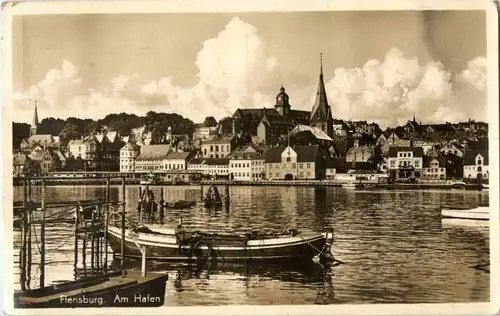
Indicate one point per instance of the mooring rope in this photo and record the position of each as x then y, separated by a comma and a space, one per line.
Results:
67, 240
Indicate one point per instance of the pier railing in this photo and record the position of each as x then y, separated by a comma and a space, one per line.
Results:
91, 219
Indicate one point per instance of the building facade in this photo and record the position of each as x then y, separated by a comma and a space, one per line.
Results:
219, 147
405, 163
128, 155
299, 162
476, 165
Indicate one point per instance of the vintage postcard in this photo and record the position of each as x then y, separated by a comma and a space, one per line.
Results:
250, 157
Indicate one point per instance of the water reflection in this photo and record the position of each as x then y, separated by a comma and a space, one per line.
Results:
395, 247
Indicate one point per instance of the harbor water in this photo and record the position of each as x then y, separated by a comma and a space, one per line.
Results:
393, 246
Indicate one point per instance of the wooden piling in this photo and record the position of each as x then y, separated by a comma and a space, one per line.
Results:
140, 204
92, 242
42, 239
162, 206
201, 193
143, 262
22, 249
122, 245
77, 217
29, 260
106, 224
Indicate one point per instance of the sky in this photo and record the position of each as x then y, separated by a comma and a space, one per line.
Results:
381, 66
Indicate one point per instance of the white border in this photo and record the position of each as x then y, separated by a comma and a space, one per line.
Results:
32, 8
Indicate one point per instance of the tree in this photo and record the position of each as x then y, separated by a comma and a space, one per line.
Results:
69, 132
20, 131
227, 125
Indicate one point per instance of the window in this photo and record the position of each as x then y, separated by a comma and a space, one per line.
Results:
308, 165
277, 174
288, 159
301, 166
294, 165
216, 147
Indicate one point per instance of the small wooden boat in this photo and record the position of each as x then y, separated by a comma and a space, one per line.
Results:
181, 204
115, 289
478, 213
179, 244
212, 198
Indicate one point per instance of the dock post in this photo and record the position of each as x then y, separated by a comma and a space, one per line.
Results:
162, 206
143, 263
42, 239
106, 224
141, 204
92, 242
201, 193
77, 215
22, 248
122, 245
28, 272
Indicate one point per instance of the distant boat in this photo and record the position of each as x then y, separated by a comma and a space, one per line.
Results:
179, 244
148, 180
478, 213
181, 204
486, 187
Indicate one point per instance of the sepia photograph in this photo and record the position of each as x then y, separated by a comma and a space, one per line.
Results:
299, 155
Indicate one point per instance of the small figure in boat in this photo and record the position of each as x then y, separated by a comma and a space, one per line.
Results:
212, 198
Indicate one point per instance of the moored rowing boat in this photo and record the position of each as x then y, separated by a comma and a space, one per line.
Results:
183, 245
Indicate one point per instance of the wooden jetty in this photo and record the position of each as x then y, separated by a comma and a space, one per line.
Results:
114, 289
91, 219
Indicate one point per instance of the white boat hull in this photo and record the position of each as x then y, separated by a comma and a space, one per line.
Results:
479, 213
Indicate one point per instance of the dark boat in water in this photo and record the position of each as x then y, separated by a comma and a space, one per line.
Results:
132, 289
179, 244
181, 204
212, 198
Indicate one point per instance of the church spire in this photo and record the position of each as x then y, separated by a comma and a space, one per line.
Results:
34, 124
321, 65
321, 109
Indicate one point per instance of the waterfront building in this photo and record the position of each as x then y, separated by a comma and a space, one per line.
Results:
110, 145
311, 132
240, 169
358, 157
258, 167
451, 149
333, 166
219, 147
49, 160
87, 148
434, 165
42, 140
176, 160
476, 164
297, 162
210, 167
339, 128
152, 158
21, 162
128, 155
273, 128
405, 163
206, 129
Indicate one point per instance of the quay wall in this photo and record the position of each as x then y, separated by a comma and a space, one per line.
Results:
315, 183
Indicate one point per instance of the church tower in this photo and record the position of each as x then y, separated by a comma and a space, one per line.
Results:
34, 124
283, 103
321, 114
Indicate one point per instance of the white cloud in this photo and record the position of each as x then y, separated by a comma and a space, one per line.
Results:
234, 71
390, 91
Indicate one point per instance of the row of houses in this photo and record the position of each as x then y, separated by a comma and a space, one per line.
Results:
303, 162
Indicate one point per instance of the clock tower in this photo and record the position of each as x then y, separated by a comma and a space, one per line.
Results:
282, 103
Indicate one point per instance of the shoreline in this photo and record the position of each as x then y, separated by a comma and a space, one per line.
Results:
306, 183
